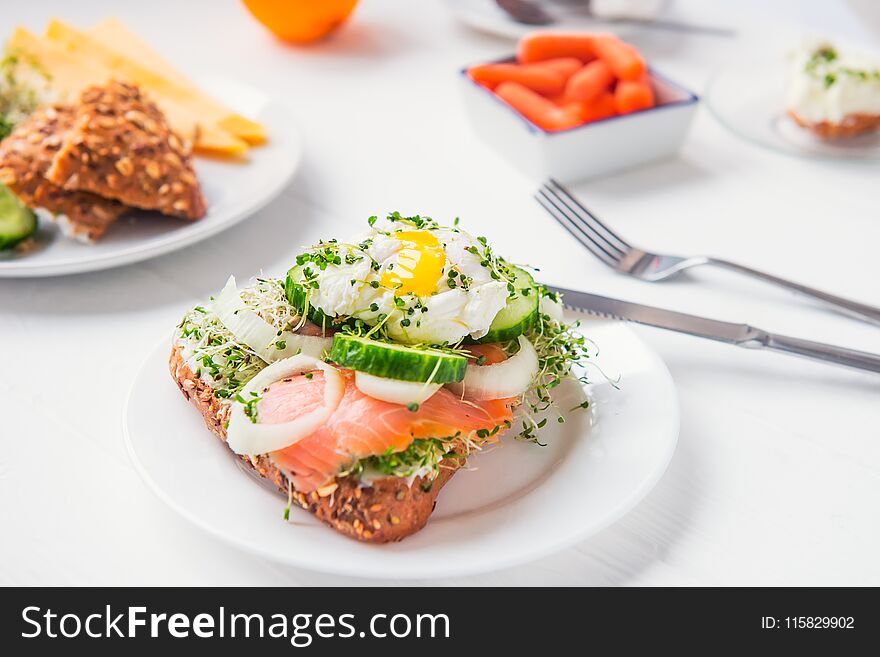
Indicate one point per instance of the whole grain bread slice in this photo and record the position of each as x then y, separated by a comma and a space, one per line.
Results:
25, 157
852, 125
121, 147
389, 510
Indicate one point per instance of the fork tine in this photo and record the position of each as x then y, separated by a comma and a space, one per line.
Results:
584, 226
561, 216
588, 217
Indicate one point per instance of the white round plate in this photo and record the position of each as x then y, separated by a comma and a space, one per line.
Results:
233, 190
749, 100
487, 16
517, 502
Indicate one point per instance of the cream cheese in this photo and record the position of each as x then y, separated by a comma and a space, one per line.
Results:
827, 84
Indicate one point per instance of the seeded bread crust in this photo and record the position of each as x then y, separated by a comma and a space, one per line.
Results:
389, 510
852, 125
25, 157
119, 146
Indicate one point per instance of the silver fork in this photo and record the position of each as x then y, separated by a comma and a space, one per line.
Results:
530, 12
615, 252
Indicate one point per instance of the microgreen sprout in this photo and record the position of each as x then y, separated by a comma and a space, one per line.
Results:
560, 348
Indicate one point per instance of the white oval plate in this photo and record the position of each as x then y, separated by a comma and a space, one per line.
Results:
748, 98
518, 501
233, 190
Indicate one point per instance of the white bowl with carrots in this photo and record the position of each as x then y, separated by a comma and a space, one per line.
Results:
577, 105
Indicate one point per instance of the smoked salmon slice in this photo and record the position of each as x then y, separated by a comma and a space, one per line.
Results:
363, 426
490, 352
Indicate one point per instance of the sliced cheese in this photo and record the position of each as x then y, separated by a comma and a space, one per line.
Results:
252, 132
72, 71
70, 75
145, 67
115, 35
181, 105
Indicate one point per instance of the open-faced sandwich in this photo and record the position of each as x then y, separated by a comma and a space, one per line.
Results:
834, 93
363, 381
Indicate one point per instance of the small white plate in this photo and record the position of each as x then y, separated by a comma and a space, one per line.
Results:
517, 502
749, 100
233, 190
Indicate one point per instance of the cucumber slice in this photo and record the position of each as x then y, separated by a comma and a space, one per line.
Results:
298, 296
520, 312
396, 361
17, 222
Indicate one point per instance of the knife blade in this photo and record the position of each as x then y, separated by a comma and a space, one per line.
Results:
741, 335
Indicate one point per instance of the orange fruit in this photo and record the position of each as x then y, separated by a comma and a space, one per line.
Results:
301, 21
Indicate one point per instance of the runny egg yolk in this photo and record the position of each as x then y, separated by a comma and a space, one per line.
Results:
419, 264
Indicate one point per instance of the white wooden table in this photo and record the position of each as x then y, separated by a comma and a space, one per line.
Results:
777, 475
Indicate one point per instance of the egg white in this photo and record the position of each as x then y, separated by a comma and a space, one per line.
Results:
450, 313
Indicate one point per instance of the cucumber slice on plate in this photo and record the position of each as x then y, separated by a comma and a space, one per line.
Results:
520, 312
396, 361
17, 222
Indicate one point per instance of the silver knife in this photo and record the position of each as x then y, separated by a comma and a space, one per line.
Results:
741, 335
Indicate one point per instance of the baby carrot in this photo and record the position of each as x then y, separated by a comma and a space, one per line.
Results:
600, 107
537, 109
540, 46
541, 79
567, 66
624, 59
589, 82
633, 95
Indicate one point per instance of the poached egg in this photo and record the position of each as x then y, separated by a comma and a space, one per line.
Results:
422, 282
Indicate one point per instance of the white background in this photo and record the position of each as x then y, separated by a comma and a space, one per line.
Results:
777, 475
